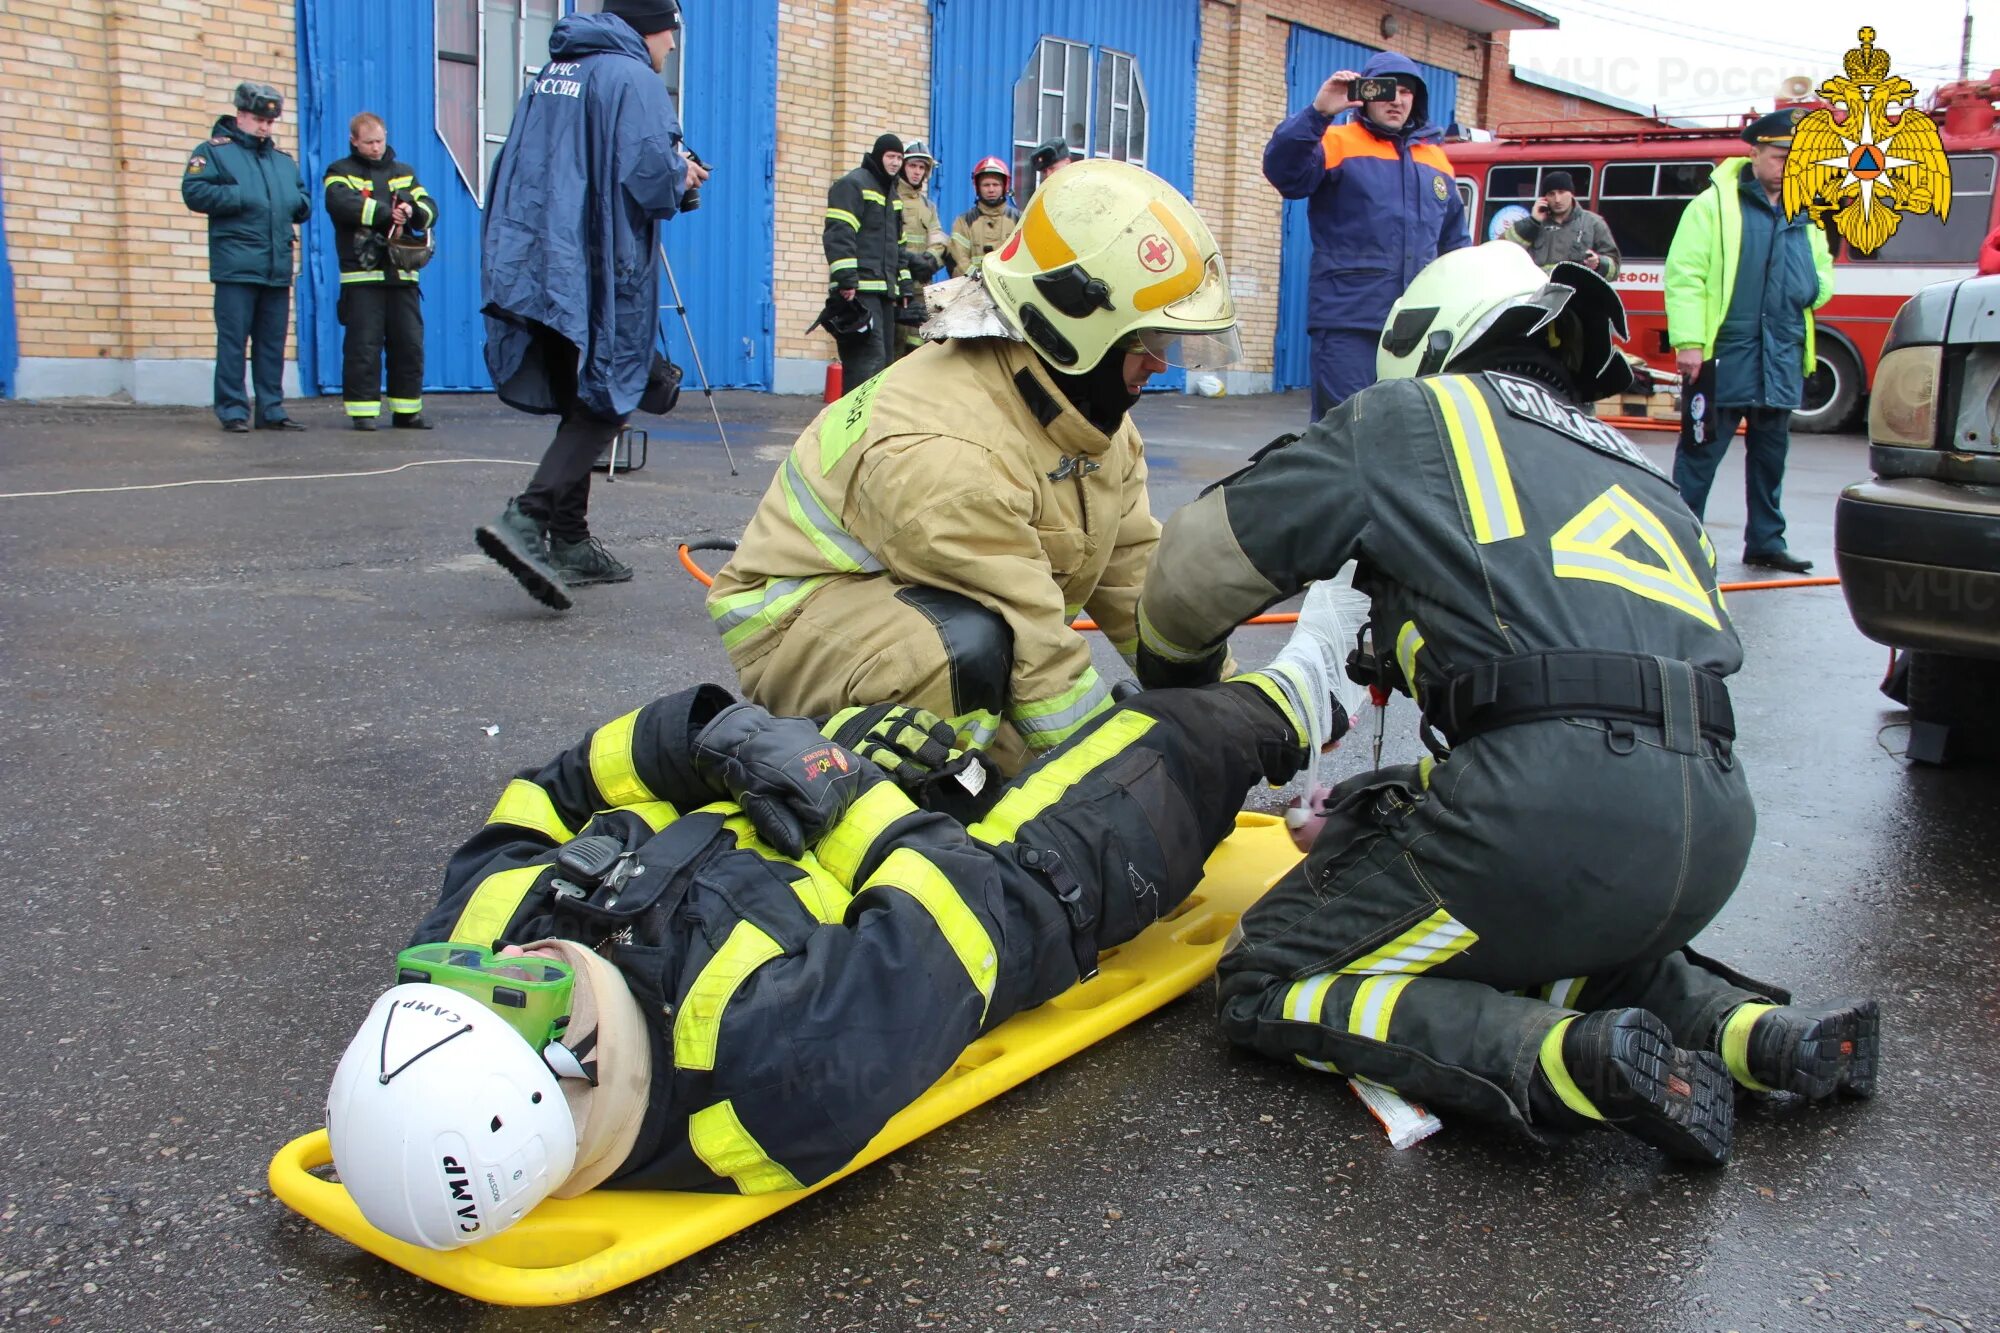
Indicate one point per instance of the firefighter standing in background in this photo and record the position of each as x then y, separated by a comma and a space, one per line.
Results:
1502, 929
863, 242
924, 242
933, 534
985, 227
369, 194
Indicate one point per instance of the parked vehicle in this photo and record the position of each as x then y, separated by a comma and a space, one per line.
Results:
1919, 545
1639, 174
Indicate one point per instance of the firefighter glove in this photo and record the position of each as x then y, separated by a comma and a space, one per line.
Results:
920, 752
792, 782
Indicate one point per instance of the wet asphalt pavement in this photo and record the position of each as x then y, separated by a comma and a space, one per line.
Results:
243, 725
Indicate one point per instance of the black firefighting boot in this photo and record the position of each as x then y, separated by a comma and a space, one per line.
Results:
587, 561
1814, 1053
1620, 1067
520, 544
410, 421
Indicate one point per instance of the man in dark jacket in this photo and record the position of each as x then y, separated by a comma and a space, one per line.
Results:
251, 191
369, 194
863, 243
777, 945
1502, 930
1382, 204
570, 266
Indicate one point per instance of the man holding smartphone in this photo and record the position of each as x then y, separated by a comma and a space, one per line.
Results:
1381, 204
1557, 230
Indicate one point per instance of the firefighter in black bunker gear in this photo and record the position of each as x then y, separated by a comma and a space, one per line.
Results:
799, 945
369, 196
1502, 930
863, 240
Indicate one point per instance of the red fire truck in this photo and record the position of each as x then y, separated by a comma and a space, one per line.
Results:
1639, 174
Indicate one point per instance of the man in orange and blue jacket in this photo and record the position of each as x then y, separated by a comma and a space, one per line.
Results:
1381, 204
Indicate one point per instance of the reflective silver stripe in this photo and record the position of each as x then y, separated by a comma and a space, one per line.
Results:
1050, 721
1162, 647
745, 614
841, 551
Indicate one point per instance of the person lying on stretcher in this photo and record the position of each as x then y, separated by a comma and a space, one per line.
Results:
732, 946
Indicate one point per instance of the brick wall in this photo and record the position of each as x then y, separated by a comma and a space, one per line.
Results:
840, 63
100, 101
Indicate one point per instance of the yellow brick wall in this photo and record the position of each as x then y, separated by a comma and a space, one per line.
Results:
100, 101
848, 70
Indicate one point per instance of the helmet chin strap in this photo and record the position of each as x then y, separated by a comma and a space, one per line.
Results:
1526, 360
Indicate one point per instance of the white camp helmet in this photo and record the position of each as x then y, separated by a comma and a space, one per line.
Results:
447, 1126
1108, 254
1485, 296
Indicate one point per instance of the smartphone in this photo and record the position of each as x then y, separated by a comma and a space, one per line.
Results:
1374, 90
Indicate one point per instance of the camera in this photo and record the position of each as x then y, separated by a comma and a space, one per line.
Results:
1374, 90
691, 200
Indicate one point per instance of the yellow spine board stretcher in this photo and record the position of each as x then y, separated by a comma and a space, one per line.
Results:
572, 1249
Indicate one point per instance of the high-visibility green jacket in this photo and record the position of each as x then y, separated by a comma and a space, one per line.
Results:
1701, 264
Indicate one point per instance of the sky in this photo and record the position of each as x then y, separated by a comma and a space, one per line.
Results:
1717, 57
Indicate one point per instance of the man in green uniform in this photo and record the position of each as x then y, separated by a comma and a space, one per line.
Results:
251, 192
1502, 930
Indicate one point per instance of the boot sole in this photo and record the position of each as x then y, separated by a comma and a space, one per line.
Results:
586, 580
539, 580
1681, 1102
1837, 1054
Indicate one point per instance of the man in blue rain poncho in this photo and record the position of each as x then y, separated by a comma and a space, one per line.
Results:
570, 272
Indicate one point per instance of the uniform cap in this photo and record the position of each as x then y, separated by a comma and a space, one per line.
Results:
259, 99
1775, 129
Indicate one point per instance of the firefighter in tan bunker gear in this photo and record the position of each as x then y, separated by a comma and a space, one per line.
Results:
932, 534
985, 227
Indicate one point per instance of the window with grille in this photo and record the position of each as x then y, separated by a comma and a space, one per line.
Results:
1121, 110
1091, 98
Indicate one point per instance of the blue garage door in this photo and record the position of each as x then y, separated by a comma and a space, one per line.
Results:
10, 348
1116, 79
381, 56
1312, 57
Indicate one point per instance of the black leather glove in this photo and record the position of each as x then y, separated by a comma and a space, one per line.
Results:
791, 781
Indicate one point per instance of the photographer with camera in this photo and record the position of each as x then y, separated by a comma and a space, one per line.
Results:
570, 267
382, 219
1381, 205
1558, 231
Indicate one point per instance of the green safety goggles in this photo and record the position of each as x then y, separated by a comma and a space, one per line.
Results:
530, 992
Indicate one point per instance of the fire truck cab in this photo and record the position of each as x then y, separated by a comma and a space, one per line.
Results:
1639, 174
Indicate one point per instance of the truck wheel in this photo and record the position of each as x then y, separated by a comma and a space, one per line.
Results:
1961, 694
1832, 391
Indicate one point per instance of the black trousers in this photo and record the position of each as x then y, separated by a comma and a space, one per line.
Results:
248, 312
382, 316
866, 355
559, 492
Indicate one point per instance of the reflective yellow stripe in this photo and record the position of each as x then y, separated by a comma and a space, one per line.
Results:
1736, 1044
398, 182
846, 844
1558, 1073
1047, 723
1160, 646
842, 215
872, 197
727, 1149
913, 874
1272, 691
698, 1025
493, 904
872, 285
526, 805
820, 527
406, 405
657, 814
367, 212
1482, 464
1303, 1002
1562, 994
363, 275
373, 409
824, 897
1409, 642
743, 614
1045, 784
1420, 948
842, 265
1374, 1001
1587, 547
611, 763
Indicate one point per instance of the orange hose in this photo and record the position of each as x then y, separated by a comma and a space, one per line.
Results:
1292, 617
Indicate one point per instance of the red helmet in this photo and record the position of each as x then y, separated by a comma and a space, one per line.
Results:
992, 166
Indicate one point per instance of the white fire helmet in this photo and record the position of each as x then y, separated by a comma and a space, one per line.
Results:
447, 1126
1481, 296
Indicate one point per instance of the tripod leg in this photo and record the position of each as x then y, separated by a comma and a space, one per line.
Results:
680, 308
